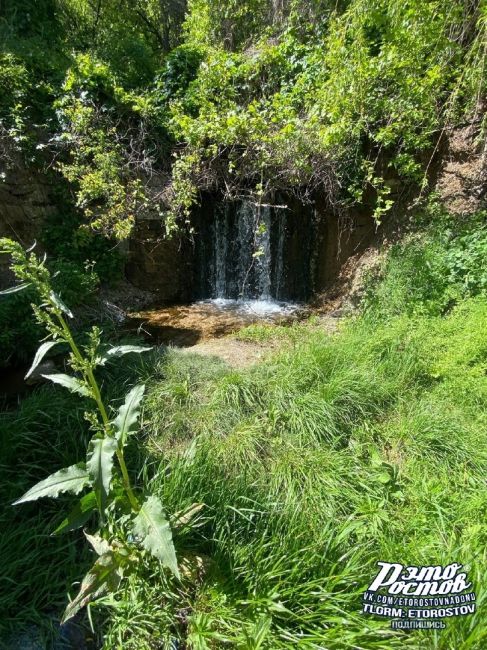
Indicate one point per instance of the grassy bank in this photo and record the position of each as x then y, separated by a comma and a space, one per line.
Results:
339, 451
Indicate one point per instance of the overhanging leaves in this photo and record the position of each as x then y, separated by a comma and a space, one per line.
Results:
152, 530
70, 479
128, 413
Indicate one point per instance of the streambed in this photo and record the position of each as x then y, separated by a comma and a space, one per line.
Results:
187, 325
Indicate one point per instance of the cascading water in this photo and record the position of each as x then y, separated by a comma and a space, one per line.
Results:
254, 257
242, 255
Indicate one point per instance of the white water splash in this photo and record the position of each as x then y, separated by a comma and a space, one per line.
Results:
258, 308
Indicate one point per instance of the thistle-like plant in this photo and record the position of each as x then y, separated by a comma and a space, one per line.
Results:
126, 526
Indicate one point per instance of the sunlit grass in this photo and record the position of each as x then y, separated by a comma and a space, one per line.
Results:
335, 453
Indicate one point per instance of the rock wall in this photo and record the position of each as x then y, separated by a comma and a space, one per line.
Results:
160, 265
25, 204
337, 240
172, 268
462, 181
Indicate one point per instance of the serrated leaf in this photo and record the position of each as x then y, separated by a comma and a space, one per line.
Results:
70, 479
79, 515
128, 413
99, 464
120, 350
19, 287
152, 530
60, 304
71, 383
103, 577
40, 354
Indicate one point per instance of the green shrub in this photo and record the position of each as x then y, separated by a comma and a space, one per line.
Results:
434, 269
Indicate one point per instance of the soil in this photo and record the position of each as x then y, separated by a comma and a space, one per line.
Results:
462, 184
242, 354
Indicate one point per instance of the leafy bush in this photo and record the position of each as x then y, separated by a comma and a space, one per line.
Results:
431, 271
466, 257
301, 96
353, 107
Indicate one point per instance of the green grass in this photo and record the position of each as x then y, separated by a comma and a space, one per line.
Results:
335, 453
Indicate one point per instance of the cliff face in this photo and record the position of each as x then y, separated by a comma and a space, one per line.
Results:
159, 265
25, 204
462, 182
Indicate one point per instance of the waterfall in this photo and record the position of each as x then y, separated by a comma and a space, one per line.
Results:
263, 251
221, 249
248, 252
281, 233
243, 255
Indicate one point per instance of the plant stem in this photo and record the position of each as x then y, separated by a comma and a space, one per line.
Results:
98, 399
126, 480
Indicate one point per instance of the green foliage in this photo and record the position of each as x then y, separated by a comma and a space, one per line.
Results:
20, 333
430, 271
70, 479
354, 107
14, 79
466, 257
47, 431
112, 493
339, 450
300, 95
152, 528
79, 260
180, 69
